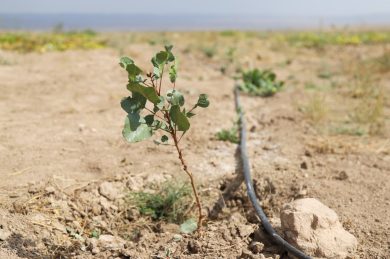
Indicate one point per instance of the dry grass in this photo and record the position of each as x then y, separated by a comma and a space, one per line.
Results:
382, 62
369, 95
316, 109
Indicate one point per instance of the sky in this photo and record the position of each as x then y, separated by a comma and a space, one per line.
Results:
263, 7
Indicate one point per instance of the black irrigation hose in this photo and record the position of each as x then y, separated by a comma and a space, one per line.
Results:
250, 190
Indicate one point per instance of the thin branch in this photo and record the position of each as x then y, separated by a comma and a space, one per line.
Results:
193, 108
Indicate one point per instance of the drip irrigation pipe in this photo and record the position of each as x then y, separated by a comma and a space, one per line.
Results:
250, 190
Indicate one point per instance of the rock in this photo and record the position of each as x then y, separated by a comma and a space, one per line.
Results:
109, 242
316, 229
4, 234
109, 190
256, 247
193, 246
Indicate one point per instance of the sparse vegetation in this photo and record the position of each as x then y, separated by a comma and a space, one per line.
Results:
368, 110
262, 83
230, 135
43, 42
322, 39
382, 63
324, 72
170, 203
4, 61
316, 109
348, 130
209, 51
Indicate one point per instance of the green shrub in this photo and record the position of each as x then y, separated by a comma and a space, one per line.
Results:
261, 83
230, 135
209, 51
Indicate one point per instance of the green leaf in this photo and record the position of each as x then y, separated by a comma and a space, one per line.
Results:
173, 73
164, 138
95, 233
188, 226
134, 131
203, 101
154, 62
148, 92
168, 48
133, 71
133, 104
124, 61
162, 57
174, 97
179, 118
149, 119
190, 114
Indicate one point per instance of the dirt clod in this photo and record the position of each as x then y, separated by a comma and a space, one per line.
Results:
256, 247
193, 246
304, 165
132, 214
50, 190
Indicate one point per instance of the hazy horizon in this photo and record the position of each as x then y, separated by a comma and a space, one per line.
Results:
276, 7
192, 14
165, 22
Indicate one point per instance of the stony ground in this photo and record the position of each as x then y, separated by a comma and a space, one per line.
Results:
60, 141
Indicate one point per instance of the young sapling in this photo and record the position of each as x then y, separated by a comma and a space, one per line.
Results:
149, 110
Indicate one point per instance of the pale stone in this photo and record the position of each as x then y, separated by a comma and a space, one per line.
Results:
316, 229
109, 242
109, 190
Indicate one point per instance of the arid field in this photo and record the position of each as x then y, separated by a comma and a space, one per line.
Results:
68, 176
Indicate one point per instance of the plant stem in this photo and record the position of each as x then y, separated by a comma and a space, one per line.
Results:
185, 168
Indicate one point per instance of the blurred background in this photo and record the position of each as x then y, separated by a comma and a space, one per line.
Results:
191, 14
